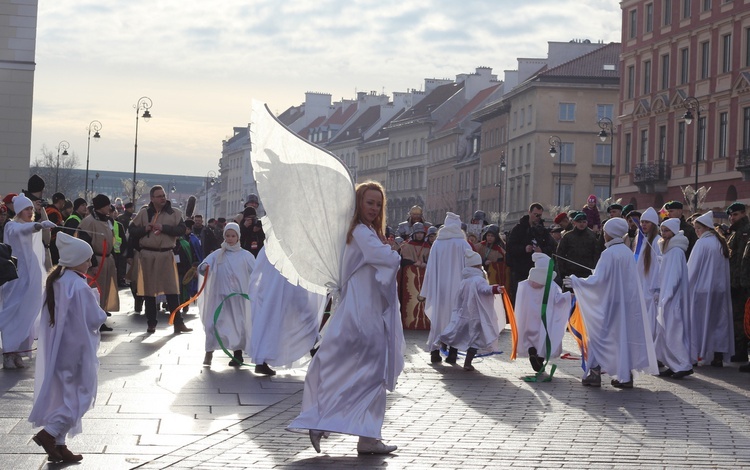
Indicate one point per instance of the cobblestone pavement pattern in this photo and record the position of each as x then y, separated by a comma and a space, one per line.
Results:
157, 407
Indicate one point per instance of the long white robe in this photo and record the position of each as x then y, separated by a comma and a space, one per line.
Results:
361, 354
440, 287
65, 381
228, 273
650, 280
619, 335
711, 325
21, 299
285, 318
672, 336
475, 321
528, 312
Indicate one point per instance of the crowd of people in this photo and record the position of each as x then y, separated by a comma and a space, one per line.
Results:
644, 291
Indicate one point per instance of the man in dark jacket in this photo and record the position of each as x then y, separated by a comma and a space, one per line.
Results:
675, 212
739, 236
580, 246
527, 237
252, 236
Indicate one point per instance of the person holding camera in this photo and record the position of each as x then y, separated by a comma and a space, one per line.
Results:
252, 236
527, 237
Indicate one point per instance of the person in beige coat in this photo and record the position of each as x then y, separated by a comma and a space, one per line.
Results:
157, 227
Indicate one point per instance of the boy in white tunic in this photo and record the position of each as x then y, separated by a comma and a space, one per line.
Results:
65, 381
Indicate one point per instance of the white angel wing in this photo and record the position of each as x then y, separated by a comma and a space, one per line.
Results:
308, 196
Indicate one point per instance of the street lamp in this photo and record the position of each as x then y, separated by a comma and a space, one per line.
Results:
96, 177
64, 145
556, 142
691, 104
144, 104
210, 181
96, 127
499, 184
605, 124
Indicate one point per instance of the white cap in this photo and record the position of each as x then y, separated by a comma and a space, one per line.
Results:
472, 258
707, 219
73, 251
232, 226
452, 219
650, 215
21, 202
616, 228
673, 225
538, 273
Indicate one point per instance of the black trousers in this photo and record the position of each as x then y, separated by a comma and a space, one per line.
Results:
172, 301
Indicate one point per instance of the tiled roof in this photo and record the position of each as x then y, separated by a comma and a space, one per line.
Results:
382, 133
359, 126
429, 103
304, 132
340, 116
469, 107
591, 65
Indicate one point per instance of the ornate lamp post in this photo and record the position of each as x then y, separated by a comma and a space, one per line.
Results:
691, 104
210, 181
64, 146
556, 142
96, 127
608, 130
499, 184
144, 104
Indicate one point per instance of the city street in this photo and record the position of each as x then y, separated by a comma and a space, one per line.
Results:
158, 407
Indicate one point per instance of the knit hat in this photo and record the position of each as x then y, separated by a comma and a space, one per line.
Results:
100, 201
673, 225
650, 215
560, 217
249, 212
591, 199
252, 198
616, 227
538, 273
735, 207
21, 202
232, 226
9, 198
36, 184
707, 219
73, 251
472, 258
77, 203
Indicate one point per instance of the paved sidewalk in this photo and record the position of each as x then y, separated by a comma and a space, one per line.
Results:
158, 407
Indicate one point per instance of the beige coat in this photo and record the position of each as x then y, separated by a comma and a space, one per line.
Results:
156, 268
100, 231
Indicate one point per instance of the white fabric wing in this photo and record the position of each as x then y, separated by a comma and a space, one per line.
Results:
308, 196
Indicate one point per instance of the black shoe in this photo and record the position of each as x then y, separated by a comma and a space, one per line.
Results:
682, 373
104, 328
237, 360
745, 368
618, 384
718, 360
181, 328
151, 329
435, 356
109, 315
536, 362
666, 373
264, 369
452, 356
738, 358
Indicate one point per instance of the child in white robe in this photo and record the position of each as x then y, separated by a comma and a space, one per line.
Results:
65, 381
532, 336
475, 323
229, 269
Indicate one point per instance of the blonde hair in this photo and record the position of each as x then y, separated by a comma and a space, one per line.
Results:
379, 223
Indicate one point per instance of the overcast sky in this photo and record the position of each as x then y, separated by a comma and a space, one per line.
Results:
202, 62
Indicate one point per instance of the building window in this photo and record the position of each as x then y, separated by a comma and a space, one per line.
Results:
702, 139
523, 117
662, 142
601, 192
529, 115
647, 77
705, 59
747, 47
649, 17
686, 8
706, 5
633, 23
684, 65
567, 150
726, 53
631, 81
628, 150
681, 143
604, 111
667, 12
566, 193
603, 154
746, 128
664, 71
515, 120
567, 112
644, 145
723, 121
414, 147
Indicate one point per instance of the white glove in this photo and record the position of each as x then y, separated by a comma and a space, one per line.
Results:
567, 282
48, 224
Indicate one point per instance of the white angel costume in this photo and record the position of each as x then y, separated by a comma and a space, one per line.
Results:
672, 336
67, 365
229, 271
528, 312
21, 299
285, 318
443, 276
711, 326
650, 279
619, 336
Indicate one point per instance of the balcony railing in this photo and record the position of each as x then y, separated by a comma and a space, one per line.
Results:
651, 177
742, 164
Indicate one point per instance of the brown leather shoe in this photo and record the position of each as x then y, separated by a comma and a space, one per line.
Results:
47, 442
181, 328
67, 455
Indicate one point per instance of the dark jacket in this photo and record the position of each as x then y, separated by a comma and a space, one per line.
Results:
580, 246
522, 235
252, 237
689, 231
737, 242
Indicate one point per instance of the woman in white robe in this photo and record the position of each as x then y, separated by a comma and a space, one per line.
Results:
285, 318
711, 325
647, 254
619, 335
229, 270
21, 299
672, 336
66, 380
361, 353
474, 324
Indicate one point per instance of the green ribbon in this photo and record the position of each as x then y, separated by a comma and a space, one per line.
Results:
547, 342
216, 317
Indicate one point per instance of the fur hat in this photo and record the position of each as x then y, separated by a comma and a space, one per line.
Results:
73, 251
100, 201
616, 227
673, 225
472, 258
21, 202
538, 273
707, 219
650, 215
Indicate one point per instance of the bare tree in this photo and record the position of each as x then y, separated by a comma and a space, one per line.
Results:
46, 165
127, 186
